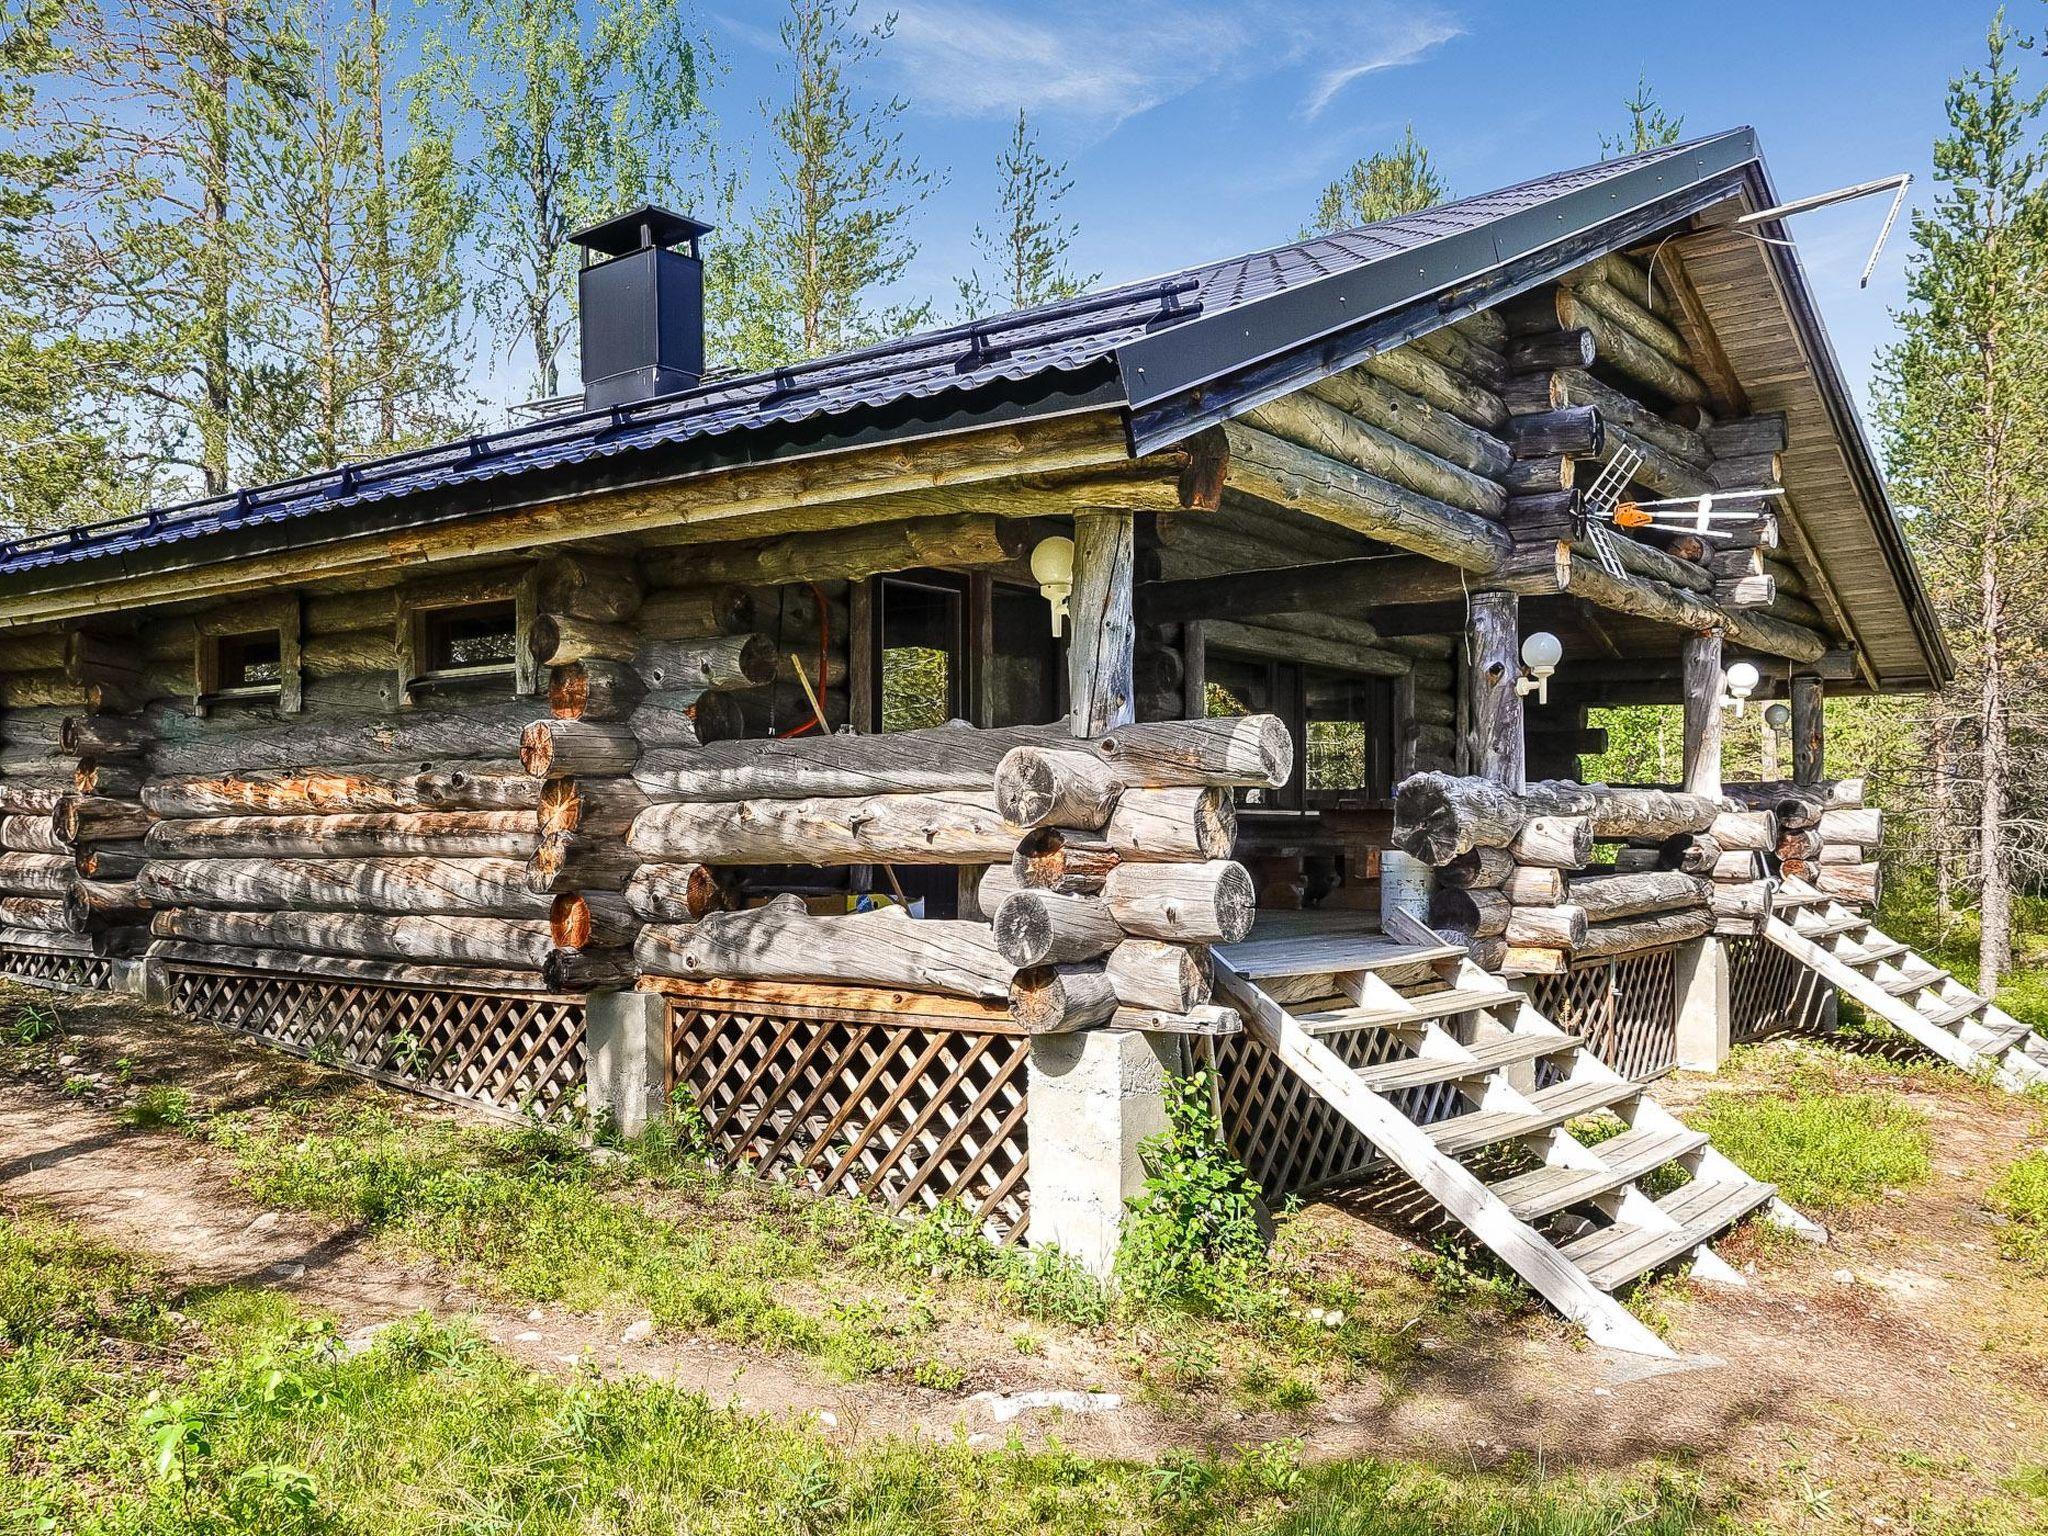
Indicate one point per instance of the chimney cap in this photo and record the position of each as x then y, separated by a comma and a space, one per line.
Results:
648, 226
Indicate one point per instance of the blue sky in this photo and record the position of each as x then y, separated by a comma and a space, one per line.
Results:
1203, 128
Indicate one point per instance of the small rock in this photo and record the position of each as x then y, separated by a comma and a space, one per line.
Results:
362, 1340
1005, 1406
1845, 1277
568, 1359
638, 1333
1603, 1392
528, 1337
827, 1419
534, 1315
289, 1271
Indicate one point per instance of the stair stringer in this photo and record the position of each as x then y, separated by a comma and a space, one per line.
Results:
1448, 1182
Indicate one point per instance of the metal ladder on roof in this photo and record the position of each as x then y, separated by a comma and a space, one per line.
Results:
1478, 1073
1895, 983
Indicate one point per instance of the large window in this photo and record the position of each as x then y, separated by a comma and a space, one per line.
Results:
922, 638
1343, 726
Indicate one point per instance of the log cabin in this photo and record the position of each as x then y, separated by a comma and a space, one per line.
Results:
907, 759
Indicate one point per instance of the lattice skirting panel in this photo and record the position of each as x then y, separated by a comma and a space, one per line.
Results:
909, 1109
1769, 992
1626, 1007
516, 1051
66, 973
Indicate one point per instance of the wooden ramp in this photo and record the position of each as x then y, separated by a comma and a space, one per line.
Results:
1905, 989
1474, 1104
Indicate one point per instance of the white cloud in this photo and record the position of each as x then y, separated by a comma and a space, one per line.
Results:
1107, 62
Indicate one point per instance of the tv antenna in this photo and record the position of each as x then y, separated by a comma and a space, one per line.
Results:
1896, 185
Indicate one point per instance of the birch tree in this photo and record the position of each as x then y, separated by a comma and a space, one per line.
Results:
1962, 400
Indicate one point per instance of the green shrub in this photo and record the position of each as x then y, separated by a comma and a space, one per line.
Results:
1821, 1148
2021, 1196
1194, 1234
160, 1106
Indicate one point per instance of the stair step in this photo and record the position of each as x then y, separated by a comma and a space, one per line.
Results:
1919, 981
1613, 1256
1870, 954
1828, 927
1545, 1191
1272, 959
1480, 1058
1550, 1108
2004, 1037
1955, 1013
1410, 1010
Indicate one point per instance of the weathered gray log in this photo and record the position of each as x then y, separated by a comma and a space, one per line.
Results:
482, 731
686, 718
478, 887
1795, 806
1315, 424
1809, 729
1414, 420
1799, 843
1619, 410
520, 943
675, 893
1065, 859
1057, 999
1642, 813
1747, 830
338, 791
1638, 933
1477, 911
946, 758
558, 640
35, 874
1208, 903
105, 736
1406, 368
38, 941
1462, 353
556, 749
1533, 886
1553, 842
1493, 702
18, 799
723, 661
949, 827
377, 834
1210, 1019
1545, 351
1243, 751
579, 861
407, 973
590, 970
965, 542
1101, 650
43, 914
1605, 898
594, 807
594, 690
1573, 431
1044, 786
1863, 826
1749, 901
1477, 868
783, 942
679, 613
1438, 816
31, 834
1840, 853
350, 653
1590, 308
112, 781
109, 861
1738, 866
93, 818
603, 588
1702, 685
1149, 973
1561, 927
1187, 824
1045, 928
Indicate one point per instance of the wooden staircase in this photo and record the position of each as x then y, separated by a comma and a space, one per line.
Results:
1905, 989
1473, 1100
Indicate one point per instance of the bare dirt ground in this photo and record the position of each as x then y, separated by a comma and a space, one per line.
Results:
1892, 1379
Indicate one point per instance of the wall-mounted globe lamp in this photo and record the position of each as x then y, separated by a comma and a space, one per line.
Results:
1052, 567
1540, 655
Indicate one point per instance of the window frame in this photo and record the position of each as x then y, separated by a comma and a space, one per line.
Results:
421, 605
280, 615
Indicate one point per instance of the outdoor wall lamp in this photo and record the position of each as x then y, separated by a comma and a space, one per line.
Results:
1778, 716
1742, 680
1540, 655
1052, 567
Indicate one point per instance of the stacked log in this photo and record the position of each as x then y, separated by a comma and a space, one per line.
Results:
1828, 835
1515, 878
1107, 862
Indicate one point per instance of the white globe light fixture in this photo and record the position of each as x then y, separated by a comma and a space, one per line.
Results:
1052, 567
1541, 653
1742, 680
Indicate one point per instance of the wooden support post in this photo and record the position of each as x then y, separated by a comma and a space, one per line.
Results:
1703, 713
1102, 646
1194, 673
1492, 666
1809, 730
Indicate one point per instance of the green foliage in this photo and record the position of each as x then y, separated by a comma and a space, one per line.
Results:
583, 108
1819, 1146
1649, 125
1027, 251
1380, 186
803, 277
30, 1022
2020, 1195
1194, 1235
160, 1106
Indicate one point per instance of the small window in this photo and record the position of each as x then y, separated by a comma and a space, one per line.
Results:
480, 637
1350, 728
250, 663
922, 648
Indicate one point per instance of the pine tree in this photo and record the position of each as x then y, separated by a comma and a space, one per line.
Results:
1380, 186
1649, 125
582, 111
803, 279
1962, 399
1027, 252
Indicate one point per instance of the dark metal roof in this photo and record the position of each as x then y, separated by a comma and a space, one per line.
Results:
1164, 334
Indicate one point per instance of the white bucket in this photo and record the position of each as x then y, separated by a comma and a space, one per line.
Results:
1405, 884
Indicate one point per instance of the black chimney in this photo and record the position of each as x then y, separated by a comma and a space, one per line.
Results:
640, 297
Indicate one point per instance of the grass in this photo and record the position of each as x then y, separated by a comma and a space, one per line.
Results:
243, 1414
1821, 1146
2020, 1195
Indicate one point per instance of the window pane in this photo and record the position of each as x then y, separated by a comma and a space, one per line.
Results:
920, 670
1350, 732
250, 661
484, 635
1023, 672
